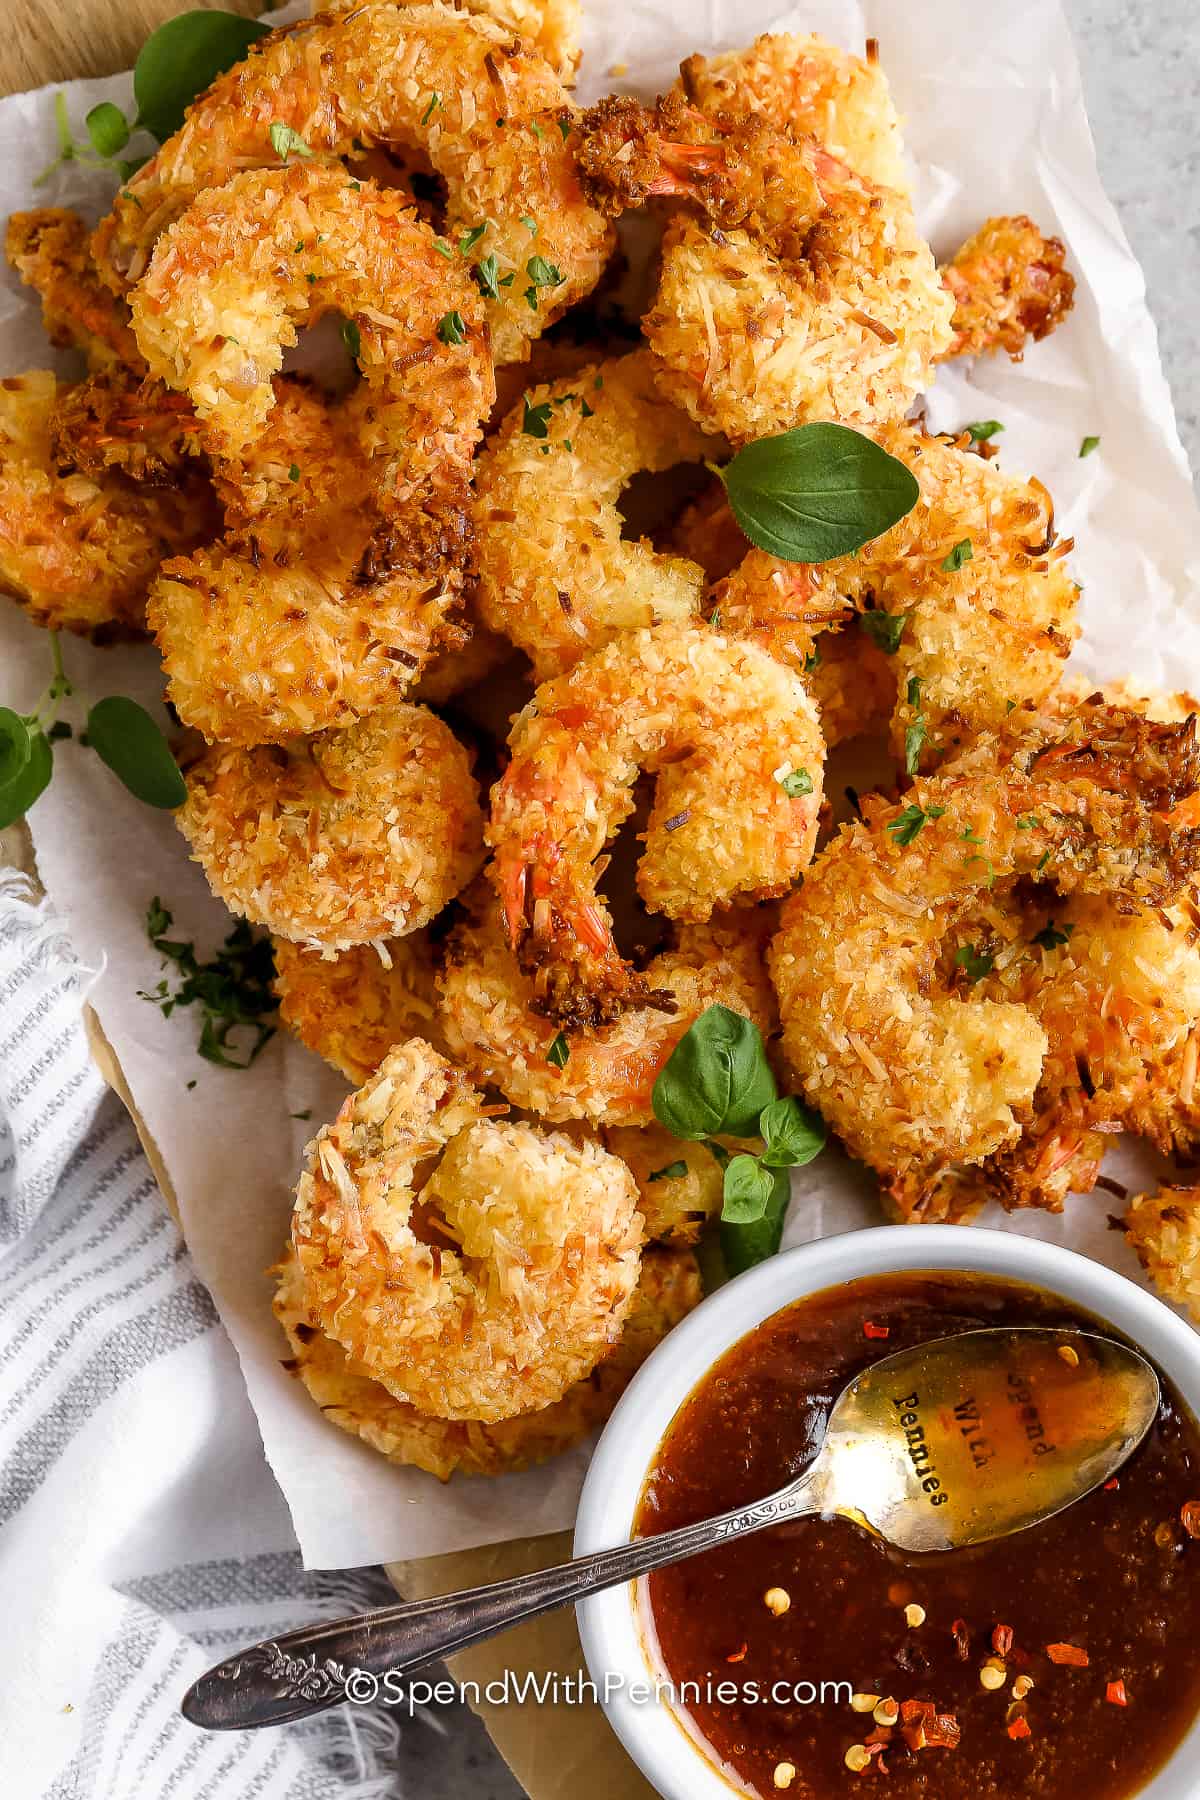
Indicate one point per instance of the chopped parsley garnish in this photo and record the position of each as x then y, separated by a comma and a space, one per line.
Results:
451, 329
962, 553
233, 989
1088, 445
916, 734
435, 100
911, 820
351, 337
1029, 822
796, 783
294, 472
975, 963
982, 430
672, 1172
530, 224
536, 419
1052, 936
285, 142
564, 125
884, 629
488, 277
559, 1052
469, 239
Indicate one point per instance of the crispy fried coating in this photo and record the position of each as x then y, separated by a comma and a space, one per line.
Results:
352, 1007
78, 552
667, 1290
984, 627
115, 422
813, 87
461, 90
551, 27
1010, 283
806, 292
346, 838
555, 574
50, 250
915, 1073
1164, 1229
505, 1284
489, 1016
681, 1185
723, 727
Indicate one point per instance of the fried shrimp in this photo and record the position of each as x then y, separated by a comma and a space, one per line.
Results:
352, 1007
78, 552
732, 739
667, 1290
884, 1031
806, 292
1164, 1231
680, 1184
489, 1016
1009, 283
113, 422
328, 610
551, 27
504, 1283
555, 574
980, 598
49, 249
346, 838
426, 78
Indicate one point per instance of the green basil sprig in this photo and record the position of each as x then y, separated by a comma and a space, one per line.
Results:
718, 1083
817, 492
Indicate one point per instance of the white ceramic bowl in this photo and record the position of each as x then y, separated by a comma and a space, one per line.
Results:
609, 1623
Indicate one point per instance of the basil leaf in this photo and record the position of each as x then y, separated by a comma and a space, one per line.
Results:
22, 787
747, 1191
108, 128
982, 430
717, 1079
16, 742
744, 1246
792, 1135
817, 492
181, 59
884, 629
124, 736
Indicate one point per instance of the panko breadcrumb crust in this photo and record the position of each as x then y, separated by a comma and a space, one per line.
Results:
346, 838
351, 1007
525, 1264
1164, 1229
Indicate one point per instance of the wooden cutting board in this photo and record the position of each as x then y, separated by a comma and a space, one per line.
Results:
57, 40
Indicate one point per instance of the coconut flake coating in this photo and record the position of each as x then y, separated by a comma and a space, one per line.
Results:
525, 1265
345, 838
352, 1007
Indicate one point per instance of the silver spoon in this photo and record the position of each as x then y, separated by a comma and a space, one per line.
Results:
960, 1440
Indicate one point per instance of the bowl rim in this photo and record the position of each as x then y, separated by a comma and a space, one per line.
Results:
612, 1636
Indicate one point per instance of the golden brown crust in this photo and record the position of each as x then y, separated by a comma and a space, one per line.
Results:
1010, 283
50, 250
352, 1007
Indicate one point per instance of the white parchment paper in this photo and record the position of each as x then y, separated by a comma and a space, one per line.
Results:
995, 123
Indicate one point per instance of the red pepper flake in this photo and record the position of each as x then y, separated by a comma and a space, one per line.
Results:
738, 1655
1189, 1514
1068, 1654
872, 1330
1110, 1487
962, 1639
1019, 1728
1002, 1639
1115, 1694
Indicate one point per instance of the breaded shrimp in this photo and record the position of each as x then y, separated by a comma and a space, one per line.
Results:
681, 1185
1164, 1230
489, 1017
346, 838
485, 112
667, 1290
733, 740
551, 27
78, 552
505, 1283
806, 292
49, 248
1009, 284
352, 1007
555, 574
814, 88
916, 1074
329, 610
115, 422
988, 604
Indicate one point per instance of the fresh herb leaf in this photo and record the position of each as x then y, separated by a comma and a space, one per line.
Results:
1052, 936
916, 734
792, 1135
962, 553
884, 629
352, 337
673, 1172
530, 224
294, 472
469, 239
435, 100
747, 1191
285, 142
1088, 445
543, 274
744, 1246
535, 421
233, 991
124, 736
975, 963
559, 1053
181, 59
15, 743
717, 1079
796, 782
982, 430
451, 328
1028, 822
26, 765
108, 129
488, 277
817, 492
911, 820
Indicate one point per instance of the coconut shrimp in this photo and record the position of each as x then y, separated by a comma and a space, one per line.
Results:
1164, 1230
978, 589
459, 90
681, 1185
78, 552
667, 1290
488, 1014
1010, 284
806, 292
551, 27
880, 1018
507, 1282
352, 1007
733, 741
49, 249
365, 555
555, 574
346, 838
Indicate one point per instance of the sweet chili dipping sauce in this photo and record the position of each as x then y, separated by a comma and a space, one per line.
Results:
1062, 1661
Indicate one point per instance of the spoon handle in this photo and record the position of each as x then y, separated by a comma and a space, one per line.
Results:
320, 1666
